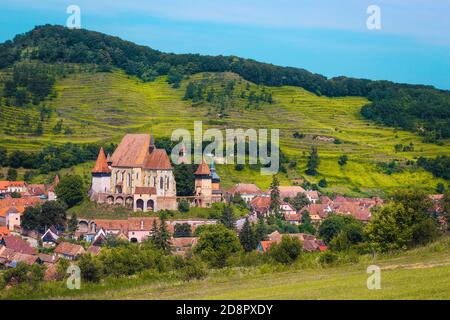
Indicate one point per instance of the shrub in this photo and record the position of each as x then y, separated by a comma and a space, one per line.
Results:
194, 269
90, 268
287, 251
328, 258
217, 244
183, 206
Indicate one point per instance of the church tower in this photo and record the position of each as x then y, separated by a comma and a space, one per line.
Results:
101, 175
203, 185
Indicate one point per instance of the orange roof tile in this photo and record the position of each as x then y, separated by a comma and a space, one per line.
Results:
101, 166
203, 169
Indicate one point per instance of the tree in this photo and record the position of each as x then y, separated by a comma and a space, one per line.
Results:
323, 183
306, 226
72, 225
261, 230
275, 197
238, 201
11, 175
333, 225
90, 268
343, 160
299, 201
184, 175
247, 237
182, 230
287, 251
3, 156
183, 206
216, 244
227, 218
160, 236
445, 203
440, 188
70, 190
51, 213
350, 235
313, 162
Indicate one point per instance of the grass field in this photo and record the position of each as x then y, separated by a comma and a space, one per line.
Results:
105, 106
422, 273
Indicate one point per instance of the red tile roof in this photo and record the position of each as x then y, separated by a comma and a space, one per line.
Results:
260, 202
203, 169
134, 151
4, 232
245, 188
18, 245
69, 249
101, 166
145, 190
20, 202
94, 250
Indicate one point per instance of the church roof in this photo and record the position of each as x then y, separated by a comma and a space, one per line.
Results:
134, 152
203, 169
101, 166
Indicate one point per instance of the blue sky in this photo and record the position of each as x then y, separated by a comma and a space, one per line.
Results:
324, 36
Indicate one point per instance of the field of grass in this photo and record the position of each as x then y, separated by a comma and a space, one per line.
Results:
422, 273
105, 106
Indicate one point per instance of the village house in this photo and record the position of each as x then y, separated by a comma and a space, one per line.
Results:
50, 238
309, 242
248, 191
289, 192
69, 251
12, 186
17, 244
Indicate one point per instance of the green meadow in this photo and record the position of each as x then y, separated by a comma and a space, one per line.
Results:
420, 274
102, 107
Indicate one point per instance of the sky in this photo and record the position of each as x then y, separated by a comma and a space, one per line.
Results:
329, 37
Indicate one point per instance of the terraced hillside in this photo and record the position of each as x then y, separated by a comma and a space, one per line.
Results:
104, 106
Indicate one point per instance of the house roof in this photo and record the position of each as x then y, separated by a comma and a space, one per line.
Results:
245, 188
203, 169
23, 257
145, 190
265, 245
5, 184
69, 249
20, 202
101, 165
312, 194
141, 224
94, 250
260, 202
112, 225
18, 245
290, 191
4, 232
134, 152
292, 217
46, 258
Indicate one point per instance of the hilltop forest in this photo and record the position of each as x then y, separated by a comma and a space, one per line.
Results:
422, 109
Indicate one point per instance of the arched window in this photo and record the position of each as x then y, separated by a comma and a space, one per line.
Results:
161, 183
154, 182
167, 182
129, 179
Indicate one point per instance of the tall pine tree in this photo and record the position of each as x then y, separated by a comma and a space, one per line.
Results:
275, 197
227, 217
313, 162
247, 237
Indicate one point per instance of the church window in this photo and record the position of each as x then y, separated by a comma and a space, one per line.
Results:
161, 183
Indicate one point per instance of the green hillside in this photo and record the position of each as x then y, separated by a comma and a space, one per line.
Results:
103, 106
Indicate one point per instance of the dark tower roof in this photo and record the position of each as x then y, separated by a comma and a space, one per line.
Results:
215, 177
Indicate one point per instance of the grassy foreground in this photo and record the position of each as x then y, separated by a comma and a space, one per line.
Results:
423, 273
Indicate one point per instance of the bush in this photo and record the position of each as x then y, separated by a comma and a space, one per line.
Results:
287, 251
328, 258
216, 244
424, 232
194, 269
90, 268
183, 206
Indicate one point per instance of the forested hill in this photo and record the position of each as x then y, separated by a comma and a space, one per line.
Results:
422, 109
